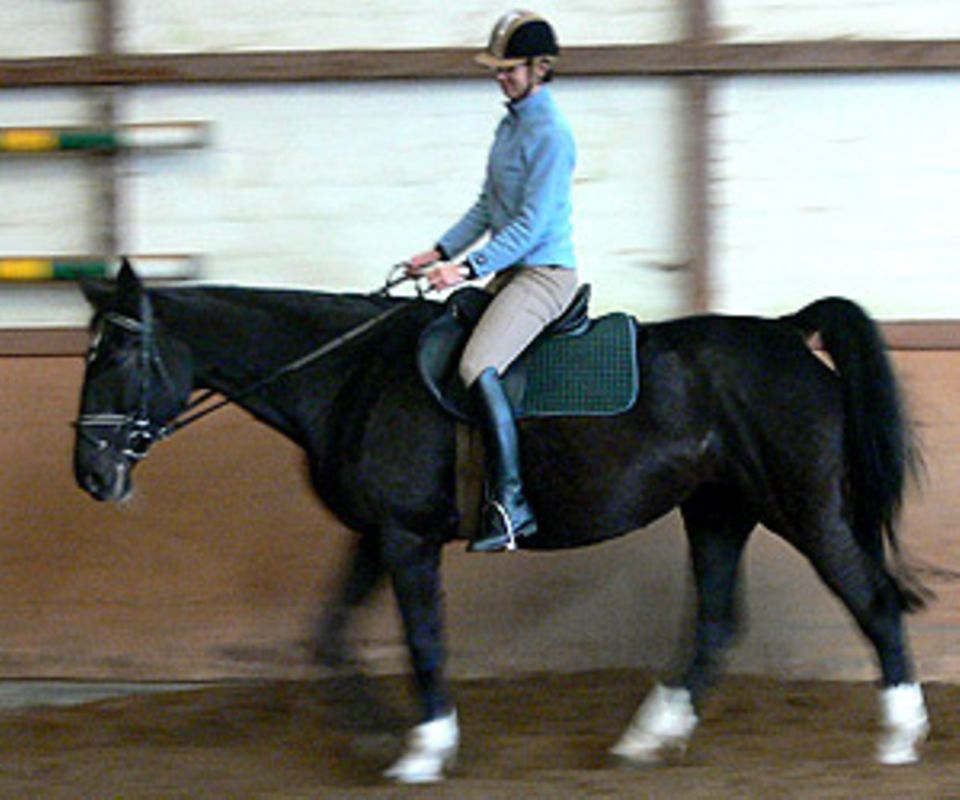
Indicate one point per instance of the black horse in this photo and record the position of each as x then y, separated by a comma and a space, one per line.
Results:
738, 423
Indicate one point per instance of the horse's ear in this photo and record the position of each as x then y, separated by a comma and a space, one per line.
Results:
97, 291
127, 286
128, 282
130, 292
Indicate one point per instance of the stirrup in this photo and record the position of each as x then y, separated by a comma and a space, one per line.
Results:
497, 506
503, 540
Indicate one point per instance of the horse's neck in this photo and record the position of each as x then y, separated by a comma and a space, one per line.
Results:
240, 338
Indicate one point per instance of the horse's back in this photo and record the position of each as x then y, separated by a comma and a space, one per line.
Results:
743, 359
775, 407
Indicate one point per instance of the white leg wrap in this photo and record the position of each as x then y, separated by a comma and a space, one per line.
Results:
431, 748
903, 716
664, 722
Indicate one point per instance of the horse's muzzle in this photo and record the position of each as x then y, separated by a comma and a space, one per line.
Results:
103, 474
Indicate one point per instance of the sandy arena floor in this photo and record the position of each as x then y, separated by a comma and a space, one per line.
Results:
532, 737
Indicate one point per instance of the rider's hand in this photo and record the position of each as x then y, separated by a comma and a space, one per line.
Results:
419, 262
447, 274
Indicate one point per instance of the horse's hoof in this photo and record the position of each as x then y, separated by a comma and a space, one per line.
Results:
645, 749
431, 751
903, 715
420, 768
649, 755
660, 729
900, 747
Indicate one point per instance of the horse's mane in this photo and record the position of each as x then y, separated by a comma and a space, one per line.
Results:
250, 332
276, 309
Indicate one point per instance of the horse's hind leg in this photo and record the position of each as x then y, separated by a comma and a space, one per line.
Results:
717, 529
414, 565
871, 596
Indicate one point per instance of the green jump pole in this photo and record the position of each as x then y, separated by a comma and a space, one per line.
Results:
140, 136
46, 269
73, 268
25, 140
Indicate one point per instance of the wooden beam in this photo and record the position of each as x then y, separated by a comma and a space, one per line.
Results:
697, 135
698, 22
697, 213
107, 168
107, 26
922, 335
713, 59
40, 342
304, 66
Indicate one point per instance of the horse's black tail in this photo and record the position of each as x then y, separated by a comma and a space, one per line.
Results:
881, 450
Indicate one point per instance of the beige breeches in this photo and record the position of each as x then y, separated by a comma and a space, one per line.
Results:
526, 300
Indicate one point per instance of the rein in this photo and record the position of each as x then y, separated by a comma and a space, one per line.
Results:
144, 432
187, 418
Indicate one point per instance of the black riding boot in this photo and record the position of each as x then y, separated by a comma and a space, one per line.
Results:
506, 515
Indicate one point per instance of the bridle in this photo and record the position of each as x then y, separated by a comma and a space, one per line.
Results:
135, 429
140, 432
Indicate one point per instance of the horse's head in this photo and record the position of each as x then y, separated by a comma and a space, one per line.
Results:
137, 380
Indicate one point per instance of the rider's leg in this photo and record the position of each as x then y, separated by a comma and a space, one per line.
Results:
526, 300
507, 515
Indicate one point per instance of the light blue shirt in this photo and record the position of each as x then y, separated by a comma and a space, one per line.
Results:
525, 203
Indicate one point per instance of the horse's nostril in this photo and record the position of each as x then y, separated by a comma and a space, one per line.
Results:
102, 485
93, 485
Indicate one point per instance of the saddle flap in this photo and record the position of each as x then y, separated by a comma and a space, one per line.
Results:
575, 318
441, 345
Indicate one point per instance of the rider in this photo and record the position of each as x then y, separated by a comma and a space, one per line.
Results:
525, 207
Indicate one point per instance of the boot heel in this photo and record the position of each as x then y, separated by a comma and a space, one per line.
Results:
503, 537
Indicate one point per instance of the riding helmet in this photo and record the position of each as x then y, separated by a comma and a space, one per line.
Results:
518, 37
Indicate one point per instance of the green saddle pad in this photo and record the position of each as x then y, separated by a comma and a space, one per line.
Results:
589, 368
594, 373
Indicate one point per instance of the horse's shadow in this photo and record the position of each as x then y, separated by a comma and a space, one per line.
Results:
354, 702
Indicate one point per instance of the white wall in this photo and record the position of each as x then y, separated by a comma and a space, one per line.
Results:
35, 28
772, 20
329, 185
839, 186
176, 25
823, 184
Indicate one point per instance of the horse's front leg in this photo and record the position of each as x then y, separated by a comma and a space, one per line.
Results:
364, 576
717, 532
414, 565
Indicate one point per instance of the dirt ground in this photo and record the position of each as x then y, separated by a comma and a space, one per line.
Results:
530, 737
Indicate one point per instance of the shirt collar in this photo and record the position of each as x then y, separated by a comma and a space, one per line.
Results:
530, 104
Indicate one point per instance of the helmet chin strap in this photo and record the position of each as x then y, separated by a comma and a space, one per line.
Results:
534, 82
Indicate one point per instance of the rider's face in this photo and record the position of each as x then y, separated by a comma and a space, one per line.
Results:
518, 81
